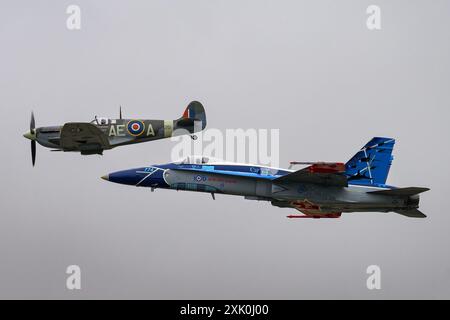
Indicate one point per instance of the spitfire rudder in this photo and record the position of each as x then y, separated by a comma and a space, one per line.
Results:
195, 111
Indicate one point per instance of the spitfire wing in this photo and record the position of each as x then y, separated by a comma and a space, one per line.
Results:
75, 135
330, 174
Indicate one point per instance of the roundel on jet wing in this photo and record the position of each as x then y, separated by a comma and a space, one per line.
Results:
135, 127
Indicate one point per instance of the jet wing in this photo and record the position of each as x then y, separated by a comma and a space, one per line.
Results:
329, 174
82, 135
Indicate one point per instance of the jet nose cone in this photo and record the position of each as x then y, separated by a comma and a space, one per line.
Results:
29, 135
105, 177
140, 177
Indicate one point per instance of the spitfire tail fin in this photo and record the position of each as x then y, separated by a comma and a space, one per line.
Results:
371, 164
195, 111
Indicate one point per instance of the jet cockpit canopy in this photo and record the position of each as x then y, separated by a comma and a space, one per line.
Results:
197, 160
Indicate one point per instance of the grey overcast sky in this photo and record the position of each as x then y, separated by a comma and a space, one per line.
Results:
309, 68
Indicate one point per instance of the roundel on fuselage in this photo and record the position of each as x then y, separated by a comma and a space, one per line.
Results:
135, 127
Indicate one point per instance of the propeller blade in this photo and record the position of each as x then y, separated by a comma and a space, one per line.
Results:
32, 122
120, 112
33, 152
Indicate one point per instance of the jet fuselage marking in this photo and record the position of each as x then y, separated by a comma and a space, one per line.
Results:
149, 172
368, 165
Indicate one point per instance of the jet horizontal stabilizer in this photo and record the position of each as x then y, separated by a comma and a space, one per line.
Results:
412, 213
410, 191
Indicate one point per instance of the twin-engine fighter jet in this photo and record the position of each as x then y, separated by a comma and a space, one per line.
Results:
104, 134
320, 190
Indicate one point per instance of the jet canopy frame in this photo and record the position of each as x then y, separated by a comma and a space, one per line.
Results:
196, 159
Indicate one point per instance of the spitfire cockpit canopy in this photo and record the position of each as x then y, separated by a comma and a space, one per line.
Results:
100, 121
197, 160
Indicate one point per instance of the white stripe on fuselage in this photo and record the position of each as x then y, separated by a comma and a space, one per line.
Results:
367, 187
148, 175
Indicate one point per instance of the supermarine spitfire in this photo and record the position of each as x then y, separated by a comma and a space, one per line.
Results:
103, 134
320, 190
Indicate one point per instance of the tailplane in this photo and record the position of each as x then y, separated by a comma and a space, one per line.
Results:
371, 164
412, 213
409, 191
412, 199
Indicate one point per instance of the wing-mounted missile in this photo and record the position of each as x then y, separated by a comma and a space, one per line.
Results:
324, 173
329, 216
308, 209
322, 167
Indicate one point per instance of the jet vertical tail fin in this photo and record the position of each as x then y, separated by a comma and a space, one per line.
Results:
371, 164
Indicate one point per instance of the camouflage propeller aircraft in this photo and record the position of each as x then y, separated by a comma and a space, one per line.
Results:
103, 134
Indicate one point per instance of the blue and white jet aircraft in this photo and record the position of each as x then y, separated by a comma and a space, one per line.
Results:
320, 190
